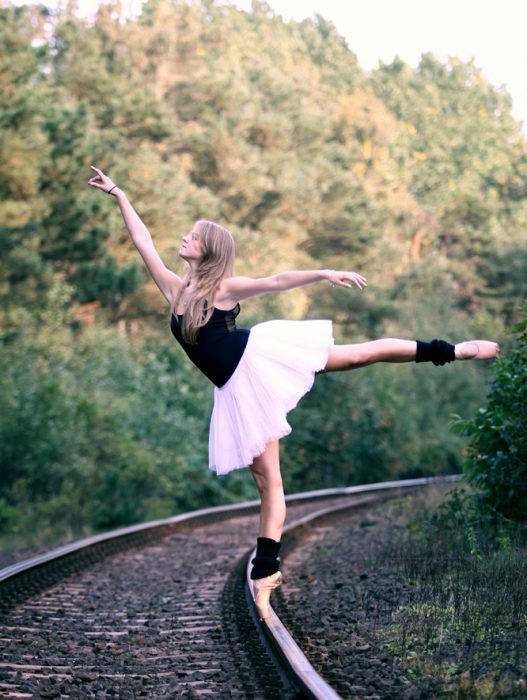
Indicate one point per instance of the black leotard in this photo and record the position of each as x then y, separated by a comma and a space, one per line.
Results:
220, 344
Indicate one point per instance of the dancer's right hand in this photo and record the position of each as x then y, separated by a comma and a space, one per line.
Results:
102, 182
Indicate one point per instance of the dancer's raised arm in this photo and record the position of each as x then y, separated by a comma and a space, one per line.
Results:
167, 281
239, 288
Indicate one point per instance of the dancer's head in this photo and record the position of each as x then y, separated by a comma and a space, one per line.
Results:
209, 253
209, 249
218, 247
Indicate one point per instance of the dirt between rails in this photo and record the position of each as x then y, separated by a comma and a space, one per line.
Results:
339, 599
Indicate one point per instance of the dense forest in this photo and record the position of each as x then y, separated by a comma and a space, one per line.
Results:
417, 178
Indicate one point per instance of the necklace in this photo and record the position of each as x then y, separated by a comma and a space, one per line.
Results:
185, 302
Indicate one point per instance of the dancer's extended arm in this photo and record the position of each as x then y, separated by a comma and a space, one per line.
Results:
239, 288
167, 281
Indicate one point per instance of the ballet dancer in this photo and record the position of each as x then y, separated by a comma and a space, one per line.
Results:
262, 373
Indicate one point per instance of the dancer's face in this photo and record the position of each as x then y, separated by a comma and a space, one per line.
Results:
191, 248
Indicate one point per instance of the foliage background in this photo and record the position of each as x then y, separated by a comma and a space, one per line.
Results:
496, 456
417, 178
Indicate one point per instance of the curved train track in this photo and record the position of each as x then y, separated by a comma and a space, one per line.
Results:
161, 610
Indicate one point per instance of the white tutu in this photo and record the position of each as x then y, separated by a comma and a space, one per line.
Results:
277, 368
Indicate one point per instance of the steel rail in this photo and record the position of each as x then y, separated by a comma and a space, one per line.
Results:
133, 533
287, 654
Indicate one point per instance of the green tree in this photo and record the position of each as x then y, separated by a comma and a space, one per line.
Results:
24, 150
462, 156
496, 459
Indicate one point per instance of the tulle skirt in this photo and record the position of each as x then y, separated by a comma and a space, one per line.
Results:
277, 368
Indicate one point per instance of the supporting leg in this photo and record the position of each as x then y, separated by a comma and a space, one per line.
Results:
265, 573
266, 473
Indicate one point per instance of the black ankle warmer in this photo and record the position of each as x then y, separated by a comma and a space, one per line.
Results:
266, 561
437, 351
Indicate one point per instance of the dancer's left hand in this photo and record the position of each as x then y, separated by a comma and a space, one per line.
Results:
346, 279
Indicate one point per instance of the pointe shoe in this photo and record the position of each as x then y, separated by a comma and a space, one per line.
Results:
262, 588
477, 350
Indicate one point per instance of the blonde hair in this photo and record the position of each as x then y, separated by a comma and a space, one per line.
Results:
217, 263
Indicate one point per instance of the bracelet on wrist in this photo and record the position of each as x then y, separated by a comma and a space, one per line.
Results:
111, 189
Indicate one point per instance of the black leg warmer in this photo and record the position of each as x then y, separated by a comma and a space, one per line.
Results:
266, 561
437, 351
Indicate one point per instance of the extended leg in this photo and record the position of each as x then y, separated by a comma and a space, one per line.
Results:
265, 573
344, 357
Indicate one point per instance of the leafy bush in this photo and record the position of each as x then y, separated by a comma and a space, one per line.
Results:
496, 462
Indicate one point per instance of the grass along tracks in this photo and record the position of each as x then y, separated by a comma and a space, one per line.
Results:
388, 604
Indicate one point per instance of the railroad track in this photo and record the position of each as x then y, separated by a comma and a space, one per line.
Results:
158, 611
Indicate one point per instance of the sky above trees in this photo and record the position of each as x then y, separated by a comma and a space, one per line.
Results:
491, 33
